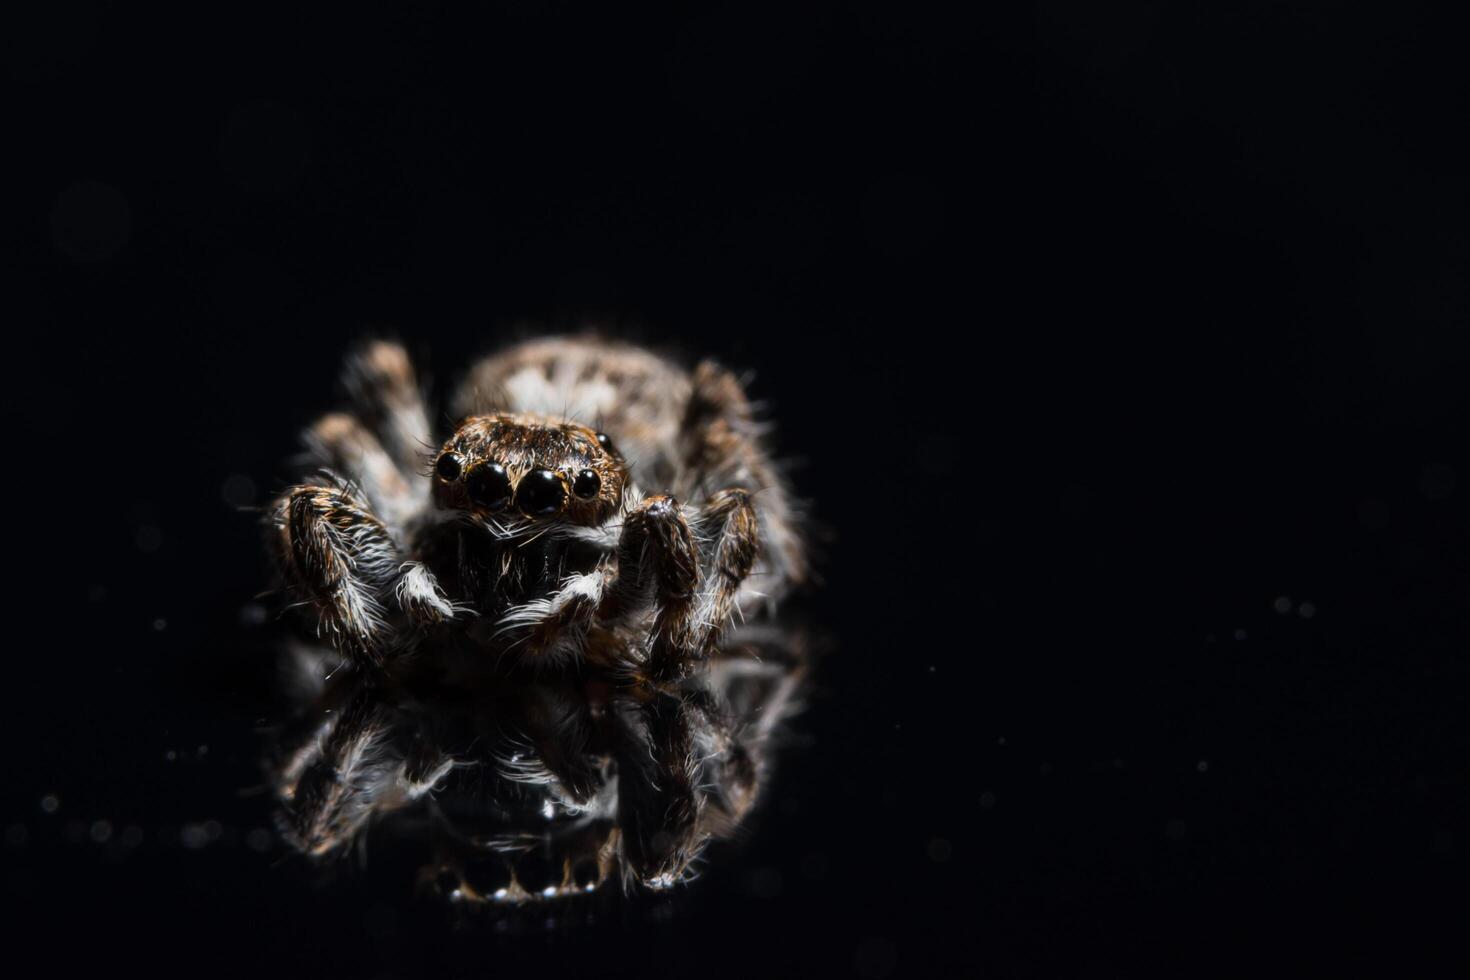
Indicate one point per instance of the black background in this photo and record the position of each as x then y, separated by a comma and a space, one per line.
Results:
1120, 349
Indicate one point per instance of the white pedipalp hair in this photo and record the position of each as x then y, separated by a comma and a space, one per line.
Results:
522, 530
418, 593
413, 789
587, 588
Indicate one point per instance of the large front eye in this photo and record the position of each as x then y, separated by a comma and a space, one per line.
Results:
587, 484
448, 467
489, 486
540, 494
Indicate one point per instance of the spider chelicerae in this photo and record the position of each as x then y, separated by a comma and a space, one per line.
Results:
548, 638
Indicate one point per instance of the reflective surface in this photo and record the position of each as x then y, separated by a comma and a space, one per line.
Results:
520, 784
1123, 347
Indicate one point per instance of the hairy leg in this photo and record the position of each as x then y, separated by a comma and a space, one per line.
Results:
658, 568
385, 394
338, 558
685, 776
342, 444
349, 770
732, 533
720, 437
659, 804
759, 673
690, 582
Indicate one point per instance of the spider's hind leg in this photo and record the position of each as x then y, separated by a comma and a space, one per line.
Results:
383, 444
385, 392
733, 545
722, 439
339, 443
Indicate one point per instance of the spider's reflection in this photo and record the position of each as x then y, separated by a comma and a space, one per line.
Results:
533, 786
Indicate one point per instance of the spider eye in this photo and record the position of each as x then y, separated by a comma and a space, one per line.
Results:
489, 486
587, 484
540, 494
606, 443
448, 467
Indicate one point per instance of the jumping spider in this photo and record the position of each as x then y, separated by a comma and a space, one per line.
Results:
535, 653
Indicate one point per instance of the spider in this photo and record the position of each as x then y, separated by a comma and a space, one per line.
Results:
572, 679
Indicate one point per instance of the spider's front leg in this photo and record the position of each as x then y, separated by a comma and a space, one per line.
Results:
339, 558
659, 564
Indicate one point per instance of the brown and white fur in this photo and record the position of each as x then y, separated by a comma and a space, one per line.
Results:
546, 598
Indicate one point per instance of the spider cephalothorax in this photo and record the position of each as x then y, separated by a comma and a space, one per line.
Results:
530, 466
515, 609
